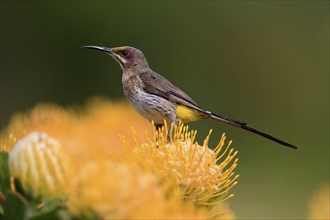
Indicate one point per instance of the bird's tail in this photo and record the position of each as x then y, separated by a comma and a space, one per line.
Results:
246, 127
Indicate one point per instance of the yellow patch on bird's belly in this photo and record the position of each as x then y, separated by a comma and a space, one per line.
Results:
187, 114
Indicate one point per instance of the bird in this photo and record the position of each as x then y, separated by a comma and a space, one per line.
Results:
159, 100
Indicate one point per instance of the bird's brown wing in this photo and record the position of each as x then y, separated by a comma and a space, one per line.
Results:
158, 85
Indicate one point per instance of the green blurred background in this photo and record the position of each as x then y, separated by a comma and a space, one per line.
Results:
266, 63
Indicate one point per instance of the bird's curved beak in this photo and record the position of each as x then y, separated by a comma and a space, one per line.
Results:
104, 49
111, 52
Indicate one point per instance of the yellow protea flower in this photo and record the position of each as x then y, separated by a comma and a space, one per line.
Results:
87, 133
111, 191
115, 177
38, 162
194, 167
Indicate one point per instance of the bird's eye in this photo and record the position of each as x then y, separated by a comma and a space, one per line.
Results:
125, 53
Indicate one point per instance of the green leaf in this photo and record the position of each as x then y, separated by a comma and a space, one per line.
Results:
19, 189
13, 207
51, 210
4, 171
50, 213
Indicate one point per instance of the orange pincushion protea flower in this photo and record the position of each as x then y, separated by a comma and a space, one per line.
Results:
192, 166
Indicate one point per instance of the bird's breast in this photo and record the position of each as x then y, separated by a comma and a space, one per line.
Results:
152, 107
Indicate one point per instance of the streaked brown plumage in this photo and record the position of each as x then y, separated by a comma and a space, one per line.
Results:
156, 98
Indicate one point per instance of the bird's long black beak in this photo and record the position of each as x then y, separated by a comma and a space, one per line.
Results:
104, 49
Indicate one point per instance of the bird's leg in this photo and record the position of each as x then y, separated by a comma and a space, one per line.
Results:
169, 134
158, 126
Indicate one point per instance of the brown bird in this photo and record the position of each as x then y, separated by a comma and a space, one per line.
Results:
157, 99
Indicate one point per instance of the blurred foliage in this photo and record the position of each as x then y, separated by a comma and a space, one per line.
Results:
264, 62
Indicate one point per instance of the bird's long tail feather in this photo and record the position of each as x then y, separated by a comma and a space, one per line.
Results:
246, 127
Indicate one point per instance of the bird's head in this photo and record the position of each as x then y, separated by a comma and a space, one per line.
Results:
127, 57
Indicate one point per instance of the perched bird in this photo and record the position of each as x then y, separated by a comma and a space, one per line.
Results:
157, 99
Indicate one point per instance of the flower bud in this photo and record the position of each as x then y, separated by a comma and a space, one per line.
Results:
38, 162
